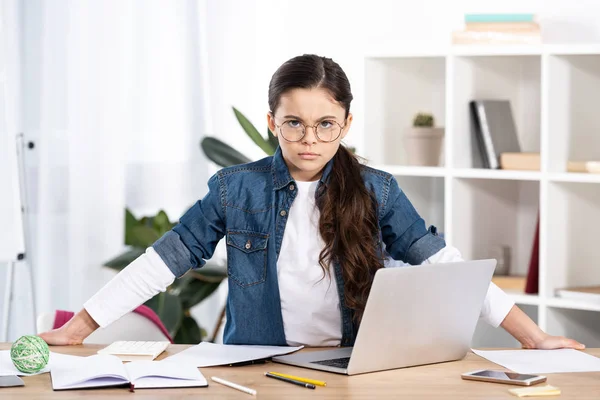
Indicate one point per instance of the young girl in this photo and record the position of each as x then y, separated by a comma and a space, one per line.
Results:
305, 231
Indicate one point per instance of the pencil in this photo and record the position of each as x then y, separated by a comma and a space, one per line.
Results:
297, 378
234, 385
288, 380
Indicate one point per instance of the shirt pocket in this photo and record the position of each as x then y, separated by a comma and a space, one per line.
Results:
247, 257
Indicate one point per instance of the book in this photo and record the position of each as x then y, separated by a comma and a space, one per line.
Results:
135, 350
510, 283
502, 26
107, 370
584, 166
494, 129
496, 37
520, 161
533, 274
580, 293
499, 17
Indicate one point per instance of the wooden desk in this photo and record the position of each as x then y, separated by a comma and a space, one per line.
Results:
425, 382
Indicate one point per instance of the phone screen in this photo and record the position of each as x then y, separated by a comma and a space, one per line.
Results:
513, 376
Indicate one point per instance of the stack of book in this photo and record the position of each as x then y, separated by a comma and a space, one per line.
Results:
498, 29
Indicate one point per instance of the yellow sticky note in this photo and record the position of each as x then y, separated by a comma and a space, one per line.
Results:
535, 391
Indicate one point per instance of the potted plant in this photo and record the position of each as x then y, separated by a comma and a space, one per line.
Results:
423, 141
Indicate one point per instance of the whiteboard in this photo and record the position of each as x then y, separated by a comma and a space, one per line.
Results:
11, 227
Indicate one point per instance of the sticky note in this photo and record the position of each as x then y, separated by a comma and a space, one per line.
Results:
535, 391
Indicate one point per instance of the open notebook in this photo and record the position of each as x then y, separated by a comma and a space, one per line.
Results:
107, 370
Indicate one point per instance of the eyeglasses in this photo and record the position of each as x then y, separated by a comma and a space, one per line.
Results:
326, 131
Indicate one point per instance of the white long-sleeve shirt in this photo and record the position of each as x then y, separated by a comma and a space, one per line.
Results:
309, 302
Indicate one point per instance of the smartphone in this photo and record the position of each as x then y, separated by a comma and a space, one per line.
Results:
11, 380
511, 378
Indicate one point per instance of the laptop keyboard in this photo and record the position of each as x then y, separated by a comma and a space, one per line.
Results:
335, 362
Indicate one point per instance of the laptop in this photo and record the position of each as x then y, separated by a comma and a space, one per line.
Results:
414, 315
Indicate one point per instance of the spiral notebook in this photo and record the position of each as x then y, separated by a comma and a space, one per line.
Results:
108, 370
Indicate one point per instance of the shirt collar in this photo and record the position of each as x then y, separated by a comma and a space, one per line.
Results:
281, 173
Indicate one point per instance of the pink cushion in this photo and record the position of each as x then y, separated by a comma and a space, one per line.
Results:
62, 317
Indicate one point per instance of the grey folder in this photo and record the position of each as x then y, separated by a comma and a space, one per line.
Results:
495, 130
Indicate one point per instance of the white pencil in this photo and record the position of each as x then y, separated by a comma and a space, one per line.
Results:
234, 385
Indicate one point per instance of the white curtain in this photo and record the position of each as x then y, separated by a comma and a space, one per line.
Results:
113, 97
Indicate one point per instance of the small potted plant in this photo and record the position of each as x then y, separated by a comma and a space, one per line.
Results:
423, 141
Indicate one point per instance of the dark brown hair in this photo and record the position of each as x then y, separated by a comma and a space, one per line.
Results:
348, 223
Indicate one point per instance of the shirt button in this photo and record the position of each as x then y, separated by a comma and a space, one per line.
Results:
248, 245
292, 187
282, 213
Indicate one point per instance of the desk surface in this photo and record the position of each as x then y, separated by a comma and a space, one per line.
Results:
424, 382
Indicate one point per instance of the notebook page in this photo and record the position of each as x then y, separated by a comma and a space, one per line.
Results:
149, 374
93, 371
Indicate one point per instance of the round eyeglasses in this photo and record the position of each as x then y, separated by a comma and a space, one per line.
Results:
326, 131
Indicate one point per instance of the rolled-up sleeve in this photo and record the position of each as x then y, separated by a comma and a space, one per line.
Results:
191, 242
404, 232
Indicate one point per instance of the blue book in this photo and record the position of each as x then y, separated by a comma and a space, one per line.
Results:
499, 18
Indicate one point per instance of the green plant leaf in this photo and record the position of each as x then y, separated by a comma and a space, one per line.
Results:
189, 332
253, 133
221, 153
161, 223
123, 260
195, 291
143, 236
130, 223
272, 140
168, 308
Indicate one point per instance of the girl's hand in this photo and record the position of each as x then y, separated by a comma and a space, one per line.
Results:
60, 337
73, 332
549, 342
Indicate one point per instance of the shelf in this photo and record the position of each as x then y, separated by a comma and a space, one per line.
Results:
575, 177
496, 50
396, 89
572, 49
514, 78
572, 117
401, 170
572, 213
572, 304
490, 215
481, 173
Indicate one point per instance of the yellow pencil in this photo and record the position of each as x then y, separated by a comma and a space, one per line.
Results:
305, 380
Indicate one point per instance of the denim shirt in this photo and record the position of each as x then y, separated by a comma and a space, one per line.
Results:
249, 205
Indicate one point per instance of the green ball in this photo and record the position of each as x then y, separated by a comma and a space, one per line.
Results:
30, 354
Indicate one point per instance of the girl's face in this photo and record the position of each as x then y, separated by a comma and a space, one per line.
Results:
303, 110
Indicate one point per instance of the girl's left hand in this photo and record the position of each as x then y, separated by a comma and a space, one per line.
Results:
558, 342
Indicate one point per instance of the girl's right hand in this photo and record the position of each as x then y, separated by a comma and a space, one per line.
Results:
73, 332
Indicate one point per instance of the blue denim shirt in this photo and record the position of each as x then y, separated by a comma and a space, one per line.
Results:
249, 205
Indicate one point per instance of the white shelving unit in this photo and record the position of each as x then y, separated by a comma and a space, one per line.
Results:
554, 92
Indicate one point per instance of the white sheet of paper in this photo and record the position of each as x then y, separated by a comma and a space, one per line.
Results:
542, 361
210, 354
8, 368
